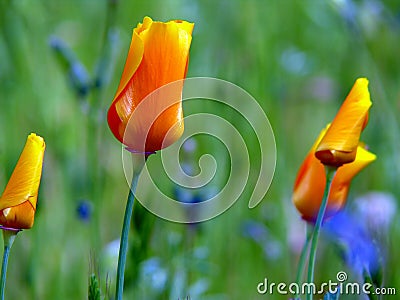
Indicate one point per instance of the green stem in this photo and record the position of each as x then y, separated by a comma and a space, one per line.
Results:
138, 164
330, 173
368, 279
302, 261
8, 238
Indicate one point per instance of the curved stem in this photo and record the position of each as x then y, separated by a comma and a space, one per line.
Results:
138, 164
302, 260
330, 173
8, 237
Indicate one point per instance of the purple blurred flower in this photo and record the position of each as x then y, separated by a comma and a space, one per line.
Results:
190, 145
260, 234
359, 250
377, 209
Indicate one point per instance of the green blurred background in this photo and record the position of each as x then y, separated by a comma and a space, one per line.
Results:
60, 64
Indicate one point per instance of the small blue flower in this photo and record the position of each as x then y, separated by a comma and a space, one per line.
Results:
84, 210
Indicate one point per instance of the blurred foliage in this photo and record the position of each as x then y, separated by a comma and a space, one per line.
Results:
60, 63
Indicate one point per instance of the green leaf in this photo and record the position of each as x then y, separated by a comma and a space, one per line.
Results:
94, 288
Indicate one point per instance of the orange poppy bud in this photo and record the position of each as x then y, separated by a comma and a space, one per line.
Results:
18, 202
311, 180
158, 55
339, 144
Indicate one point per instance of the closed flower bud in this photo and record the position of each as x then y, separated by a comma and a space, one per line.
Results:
339, 145
311, 180
158, 55
18, 202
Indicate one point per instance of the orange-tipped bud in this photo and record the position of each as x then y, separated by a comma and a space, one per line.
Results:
18, 202
339, 144
311, 180
158, 55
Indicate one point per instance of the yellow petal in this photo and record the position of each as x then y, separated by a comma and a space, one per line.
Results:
363, 159
339, 145
24, 182
133, 59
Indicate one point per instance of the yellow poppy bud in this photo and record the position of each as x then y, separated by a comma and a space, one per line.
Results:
311, 180
339, 145
18, 202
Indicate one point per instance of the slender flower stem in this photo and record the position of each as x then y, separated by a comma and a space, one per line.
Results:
302, 261
8, 237
330, 173
368, 279
138, 164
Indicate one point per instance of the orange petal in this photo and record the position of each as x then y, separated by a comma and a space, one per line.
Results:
164, 60
339, 145
310, 183
24, 182
19, 217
